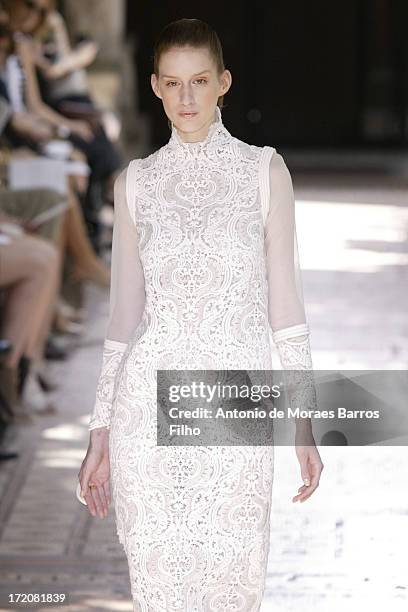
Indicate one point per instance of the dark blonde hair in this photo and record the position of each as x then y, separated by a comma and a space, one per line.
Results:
192, 33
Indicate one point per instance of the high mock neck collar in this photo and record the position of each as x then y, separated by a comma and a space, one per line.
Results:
216, 136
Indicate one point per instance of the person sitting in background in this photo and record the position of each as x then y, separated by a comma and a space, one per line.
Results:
88, 266
66, 233
103, 158
61, 68
60, 64
22, 85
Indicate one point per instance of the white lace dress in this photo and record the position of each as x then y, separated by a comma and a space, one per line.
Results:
204, 275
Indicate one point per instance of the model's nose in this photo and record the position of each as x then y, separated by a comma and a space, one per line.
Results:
186, 95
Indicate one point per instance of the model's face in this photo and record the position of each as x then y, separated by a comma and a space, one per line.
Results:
188, 82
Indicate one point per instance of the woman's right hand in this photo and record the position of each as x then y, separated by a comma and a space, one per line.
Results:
95, 470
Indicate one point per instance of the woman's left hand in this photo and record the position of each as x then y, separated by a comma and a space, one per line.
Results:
311, 467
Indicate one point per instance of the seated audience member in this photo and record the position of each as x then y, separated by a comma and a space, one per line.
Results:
20, 75
64, 233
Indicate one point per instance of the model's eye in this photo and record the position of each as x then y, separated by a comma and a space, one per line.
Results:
201, 80
171, 83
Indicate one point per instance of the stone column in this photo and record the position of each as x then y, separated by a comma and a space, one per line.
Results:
112, 75
103, 20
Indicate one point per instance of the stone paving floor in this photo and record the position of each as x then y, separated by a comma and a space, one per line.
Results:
346, 547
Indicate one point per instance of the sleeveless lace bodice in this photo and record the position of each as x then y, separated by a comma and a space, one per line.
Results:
197, 210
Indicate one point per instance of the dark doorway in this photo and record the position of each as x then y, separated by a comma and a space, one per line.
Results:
304, 74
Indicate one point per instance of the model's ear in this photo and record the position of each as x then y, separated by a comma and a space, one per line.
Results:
225, 80
154, 84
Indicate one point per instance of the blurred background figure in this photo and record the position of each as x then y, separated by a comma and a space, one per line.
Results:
46, 250
35, 25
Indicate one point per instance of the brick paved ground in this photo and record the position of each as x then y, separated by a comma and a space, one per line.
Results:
347, 546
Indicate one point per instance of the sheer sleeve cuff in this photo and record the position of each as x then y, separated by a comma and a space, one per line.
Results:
293, 347
290, 332
111, 359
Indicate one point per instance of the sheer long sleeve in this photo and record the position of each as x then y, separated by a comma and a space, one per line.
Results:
287, 319
286, 312
126, 303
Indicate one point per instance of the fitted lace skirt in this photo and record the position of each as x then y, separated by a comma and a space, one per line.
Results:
194, 521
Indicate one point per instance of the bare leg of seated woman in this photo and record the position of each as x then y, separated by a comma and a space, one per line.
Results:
30, 273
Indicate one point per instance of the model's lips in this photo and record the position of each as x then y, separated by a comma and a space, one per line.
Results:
188, 114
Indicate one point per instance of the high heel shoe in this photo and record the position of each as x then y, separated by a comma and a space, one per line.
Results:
44, 376
34, 399
24, 366
10, 381
53, 350
8, 393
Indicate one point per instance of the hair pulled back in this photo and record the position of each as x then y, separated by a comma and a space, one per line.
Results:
192, 33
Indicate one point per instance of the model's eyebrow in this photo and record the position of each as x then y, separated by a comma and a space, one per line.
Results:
167, 76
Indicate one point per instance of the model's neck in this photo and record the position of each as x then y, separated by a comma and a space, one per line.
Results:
199, 136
